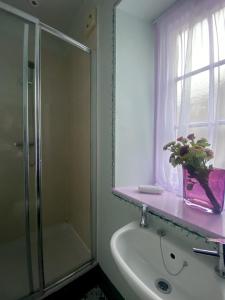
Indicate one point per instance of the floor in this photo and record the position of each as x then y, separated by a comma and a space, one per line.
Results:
95, 294
64, 251
93, 285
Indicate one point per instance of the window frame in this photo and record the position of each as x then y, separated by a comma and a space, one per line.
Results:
191, 74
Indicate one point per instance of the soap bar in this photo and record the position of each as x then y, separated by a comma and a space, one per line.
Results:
150, 189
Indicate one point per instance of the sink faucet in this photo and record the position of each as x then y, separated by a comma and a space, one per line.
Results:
144, 216
220, 268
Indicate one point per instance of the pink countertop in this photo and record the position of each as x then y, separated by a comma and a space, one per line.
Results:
173, 208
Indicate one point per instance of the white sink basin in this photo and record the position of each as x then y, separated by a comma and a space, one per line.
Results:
138, 255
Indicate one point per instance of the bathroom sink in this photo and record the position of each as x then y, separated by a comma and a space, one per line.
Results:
170, 271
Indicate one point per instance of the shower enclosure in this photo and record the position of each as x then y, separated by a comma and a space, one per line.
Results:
47, 211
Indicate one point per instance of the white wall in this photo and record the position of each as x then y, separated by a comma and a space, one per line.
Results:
134, 97
113, 213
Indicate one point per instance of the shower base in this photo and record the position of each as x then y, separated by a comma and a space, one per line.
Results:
64, 252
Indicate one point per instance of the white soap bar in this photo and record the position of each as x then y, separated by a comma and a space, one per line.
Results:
150, 189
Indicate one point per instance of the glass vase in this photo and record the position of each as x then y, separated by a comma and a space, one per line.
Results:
204, 192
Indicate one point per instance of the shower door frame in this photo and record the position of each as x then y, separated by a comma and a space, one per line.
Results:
45, 289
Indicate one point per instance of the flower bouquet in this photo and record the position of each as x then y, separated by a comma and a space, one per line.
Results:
203, 185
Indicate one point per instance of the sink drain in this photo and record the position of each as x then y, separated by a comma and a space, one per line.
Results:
163, 286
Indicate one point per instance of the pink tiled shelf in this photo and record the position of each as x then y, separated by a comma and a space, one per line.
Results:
173, 208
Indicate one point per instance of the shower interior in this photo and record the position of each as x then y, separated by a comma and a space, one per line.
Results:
65, 126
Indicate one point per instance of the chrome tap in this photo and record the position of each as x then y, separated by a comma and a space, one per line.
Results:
220, 268
144, 216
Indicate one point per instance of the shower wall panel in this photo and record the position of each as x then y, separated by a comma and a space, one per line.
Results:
55, 98
66, 198
80, 145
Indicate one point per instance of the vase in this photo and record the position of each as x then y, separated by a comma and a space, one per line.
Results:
205, 192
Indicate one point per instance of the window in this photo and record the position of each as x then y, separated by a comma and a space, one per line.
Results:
191, 81
205, 78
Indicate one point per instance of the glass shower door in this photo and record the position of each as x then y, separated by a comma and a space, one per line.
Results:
50, 188
17, 231
66, 152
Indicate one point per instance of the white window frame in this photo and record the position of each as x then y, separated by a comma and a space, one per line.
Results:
193, 73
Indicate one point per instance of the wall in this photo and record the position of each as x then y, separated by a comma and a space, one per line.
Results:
78, 24
113, 213
134, 97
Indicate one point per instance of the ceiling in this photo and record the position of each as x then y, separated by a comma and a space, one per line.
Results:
145, 9
56, 13
61, 13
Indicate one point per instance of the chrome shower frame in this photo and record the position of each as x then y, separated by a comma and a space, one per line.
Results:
45, 289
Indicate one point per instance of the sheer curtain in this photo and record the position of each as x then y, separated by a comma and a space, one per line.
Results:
190, 89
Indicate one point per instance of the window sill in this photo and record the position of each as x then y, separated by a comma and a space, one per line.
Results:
173, 208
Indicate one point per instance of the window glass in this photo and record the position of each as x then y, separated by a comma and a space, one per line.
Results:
218, 35
220, 146
219, 78
179, 90
200, 45
198, 92
182, 50
199, 132
193, 44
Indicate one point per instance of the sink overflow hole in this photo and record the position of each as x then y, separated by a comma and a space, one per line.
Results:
163, 286
172, 256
